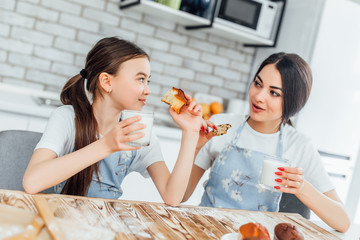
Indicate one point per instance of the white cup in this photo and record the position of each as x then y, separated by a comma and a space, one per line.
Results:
147, 118
269, 167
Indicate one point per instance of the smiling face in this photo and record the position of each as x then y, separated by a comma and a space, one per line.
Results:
266, 96
130, 84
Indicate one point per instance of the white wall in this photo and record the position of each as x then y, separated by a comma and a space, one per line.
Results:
332, 115
43, 43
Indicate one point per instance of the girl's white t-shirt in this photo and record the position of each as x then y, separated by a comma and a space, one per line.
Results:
296, 148
59, 136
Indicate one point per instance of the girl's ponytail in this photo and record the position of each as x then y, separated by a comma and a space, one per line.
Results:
86, 132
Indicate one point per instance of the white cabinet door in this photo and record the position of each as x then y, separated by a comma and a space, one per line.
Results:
135, 187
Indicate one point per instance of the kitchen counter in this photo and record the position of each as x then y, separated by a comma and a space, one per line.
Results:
26, 101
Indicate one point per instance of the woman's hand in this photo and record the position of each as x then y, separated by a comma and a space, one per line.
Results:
205, 134
292, 179
122, 133
189, 118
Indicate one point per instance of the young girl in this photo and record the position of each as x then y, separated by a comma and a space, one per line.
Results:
279, 90
83, 149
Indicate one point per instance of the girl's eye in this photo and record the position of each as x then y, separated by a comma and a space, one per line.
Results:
144, 81
256, 83
275, 94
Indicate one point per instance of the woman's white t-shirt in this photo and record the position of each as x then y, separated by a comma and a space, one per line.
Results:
59, 136
296, 148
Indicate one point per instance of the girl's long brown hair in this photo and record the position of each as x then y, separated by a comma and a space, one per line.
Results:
105, 56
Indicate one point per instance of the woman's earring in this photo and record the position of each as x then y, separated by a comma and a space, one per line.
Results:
109, 91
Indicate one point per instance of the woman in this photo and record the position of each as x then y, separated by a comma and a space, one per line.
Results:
83, 150
279, 90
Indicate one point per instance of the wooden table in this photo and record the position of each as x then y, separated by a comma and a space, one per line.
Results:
95, 218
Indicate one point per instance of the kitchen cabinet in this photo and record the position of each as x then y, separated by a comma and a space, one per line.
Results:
187, 19
327, 36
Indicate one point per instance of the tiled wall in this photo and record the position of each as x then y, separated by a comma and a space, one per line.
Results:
45, 42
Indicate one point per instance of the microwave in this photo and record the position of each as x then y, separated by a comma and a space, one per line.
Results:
258, 17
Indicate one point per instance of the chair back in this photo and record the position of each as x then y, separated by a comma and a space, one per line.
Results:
16, 149
291, 204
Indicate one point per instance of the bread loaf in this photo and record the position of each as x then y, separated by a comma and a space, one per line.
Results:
175, 98
254, 231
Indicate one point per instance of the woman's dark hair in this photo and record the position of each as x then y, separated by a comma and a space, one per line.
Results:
106, 56
296, 80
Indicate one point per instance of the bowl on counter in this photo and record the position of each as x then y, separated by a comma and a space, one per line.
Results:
230, 236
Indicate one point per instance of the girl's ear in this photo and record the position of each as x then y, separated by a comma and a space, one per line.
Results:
105, 82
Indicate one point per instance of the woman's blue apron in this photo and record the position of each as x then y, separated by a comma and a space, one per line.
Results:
235, 177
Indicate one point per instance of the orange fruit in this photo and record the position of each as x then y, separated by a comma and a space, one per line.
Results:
205, 109
216, 107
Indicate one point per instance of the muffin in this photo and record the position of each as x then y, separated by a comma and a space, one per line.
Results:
287, 231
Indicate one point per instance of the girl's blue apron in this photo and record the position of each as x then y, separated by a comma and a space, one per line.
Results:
112, 171
234, 179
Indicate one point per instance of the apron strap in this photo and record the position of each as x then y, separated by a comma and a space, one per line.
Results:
279, 148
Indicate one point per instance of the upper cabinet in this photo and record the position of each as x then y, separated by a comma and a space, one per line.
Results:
239, 30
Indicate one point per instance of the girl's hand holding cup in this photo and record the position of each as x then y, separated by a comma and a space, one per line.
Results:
122, 133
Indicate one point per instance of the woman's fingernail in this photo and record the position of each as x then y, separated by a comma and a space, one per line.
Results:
281, 168
278, 173
202, 128
278, 180
215, 127
277, 187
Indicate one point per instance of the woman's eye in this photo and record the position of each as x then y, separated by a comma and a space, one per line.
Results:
142, 80
256, 83
275, 94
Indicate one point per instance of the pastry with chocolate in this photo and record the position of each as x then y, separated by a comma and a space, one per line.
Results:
287, 231
221, 129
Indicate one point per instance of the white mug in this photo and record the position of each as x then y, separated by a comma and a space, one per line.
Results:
269, 167
147, 118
